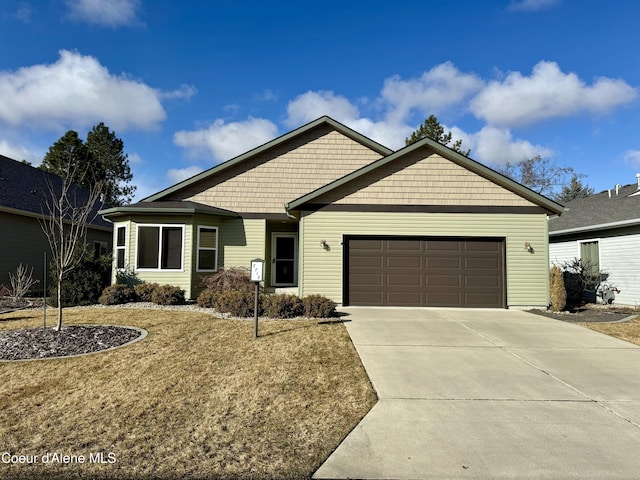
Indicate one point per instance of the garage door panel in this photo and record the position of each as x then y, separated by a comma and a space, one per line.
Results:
443, 262
426, 272
404, 280
410, 261
435, 281
482, 263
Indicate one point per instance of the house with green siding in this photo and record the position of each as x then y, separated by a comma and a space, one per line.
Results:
333, 212
23, 194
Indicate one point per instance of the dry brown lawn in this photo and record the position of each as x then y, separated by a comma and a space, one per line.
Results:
629, 331
198, 398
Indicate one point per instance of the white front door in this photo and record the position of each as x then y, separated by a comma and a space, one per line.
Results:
284, 259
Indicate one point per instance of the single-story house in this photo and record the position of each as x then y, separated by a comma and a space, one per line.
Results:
23, 193
603, 229
334, 213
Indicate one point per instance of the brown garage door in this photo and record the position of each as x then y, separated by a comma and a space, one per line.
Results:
451, 272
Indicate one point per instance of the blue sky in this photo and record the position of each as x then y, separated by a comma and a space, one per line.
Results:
189, 84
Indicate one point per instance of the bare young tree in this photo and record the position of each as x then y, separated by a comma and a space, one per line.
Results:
21, 282
68, 211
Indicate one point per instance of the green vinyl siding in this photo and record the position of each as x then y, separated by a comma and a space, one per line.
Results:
241, 240
320, 268
23, 241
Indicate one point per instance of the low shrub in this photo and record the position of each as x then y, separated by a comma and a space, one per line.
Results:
5, 291
317, 306
167, 295
558, 291
229, 279
282, 305
207, 299
84, 284
237, 303
117, 294
144, 291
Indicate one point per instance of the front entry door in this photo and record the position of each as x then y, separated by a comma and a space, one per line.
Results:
284, 265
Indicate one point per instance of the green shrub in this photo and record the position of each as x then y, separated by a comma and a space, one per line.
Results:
167, 295
84, 284
558, 291
144, 291
317, 306
237, 303
117, 294
229, 279
282, 305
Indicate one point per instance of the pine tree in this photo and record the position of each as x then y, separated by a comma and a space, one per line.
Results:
432, 129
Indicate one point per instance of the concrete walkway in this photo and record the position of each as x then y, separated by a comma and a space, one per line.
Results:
490, 394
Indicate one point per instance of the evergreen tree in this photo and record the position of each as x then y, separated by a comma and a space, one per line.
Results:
574, 190
67, 158
99, 160
434, 130
108, 161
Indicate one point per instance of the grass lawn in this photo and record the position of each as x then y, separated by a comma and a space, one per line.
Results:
198, 398
629, 331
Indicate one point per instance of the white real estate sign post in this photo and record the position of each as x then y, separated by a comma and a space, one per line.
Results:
257, 275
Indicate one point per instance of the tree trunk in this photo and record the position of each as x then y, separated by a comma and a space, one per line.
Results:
59, 293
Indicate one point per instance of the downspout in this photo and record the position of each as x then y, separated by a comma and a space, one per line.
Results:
300, 250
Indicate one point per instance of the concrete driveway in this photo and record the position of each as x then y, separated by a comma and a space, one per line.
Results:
490, 394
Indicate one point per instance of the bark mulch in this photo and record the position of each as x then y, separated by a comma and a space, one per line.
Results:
39, 343
591, 313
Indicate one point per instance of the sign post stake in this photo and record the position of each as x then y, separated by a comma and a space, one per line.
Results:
257, 274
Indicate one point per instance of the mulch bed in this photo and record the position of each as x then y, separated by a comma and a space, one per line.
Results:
591, 313
39, 343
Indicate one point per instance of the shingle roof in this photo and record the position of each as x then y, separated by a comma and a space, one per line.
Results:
167, 208
600, 211
23, 188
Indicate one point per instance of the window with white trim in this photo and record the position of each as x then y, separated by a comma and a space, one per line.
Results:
160, 247
590, 256
207, 249
121, 243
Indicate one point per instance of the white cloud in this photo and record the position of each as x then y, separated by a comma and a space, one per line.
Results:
311, 105
109, 13
632, 157
547, 93
184, 92
19, 152
135, 159
532, 5
222, 141
179, 174
76, 91
496, 146
434, 91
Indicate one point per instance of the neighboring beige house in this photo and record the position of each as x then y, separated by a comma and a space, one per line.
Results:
335, 213
23, 190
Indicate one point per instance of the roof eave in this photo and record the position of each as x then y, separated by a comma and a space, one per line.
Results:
600, 226
121, 211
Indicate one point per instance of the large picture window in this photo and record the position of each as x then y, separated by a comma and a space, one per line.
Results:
160, 247
207, 249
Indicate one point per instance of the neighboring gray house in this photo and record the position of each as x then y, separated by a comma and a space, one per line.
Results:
604, 229
22, 202
334, 213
